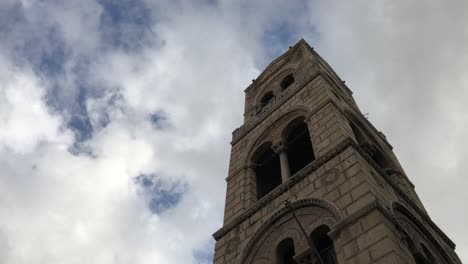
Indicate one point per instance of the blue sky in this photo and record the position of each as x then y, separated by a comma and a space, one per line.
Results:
116, 116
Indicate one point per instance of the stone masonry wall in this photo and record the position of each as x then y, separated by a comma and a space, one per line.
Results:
368, 238
342, 172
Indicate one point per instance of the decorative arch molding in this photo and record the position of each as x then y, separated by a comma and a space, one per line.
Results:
359, 120
406, 221
291, 124
312, 212
274, 83
328, 221
293, 233
259, 149
274, 130
374, 142
356, 119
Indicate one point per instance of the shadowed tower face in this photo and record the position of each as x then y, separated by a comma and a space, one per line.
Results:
304, 140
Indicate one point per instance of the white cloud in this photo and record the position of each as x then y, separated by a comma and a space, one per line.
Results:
26, 120
406, 64
59, 207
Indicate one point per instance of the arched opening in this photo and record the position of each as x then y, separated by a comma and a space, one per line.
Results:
360, 138
266, 99
430, 258
370, 147
324, 244
381, 160
286, 82
266, 165
298, 145
419, 258
285, 252
409, 224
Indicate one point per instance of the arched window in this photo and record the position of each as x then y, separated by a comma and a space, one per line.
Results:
360, 138
266, 98
266, 165
381, 160
286, 82
324, 244
416, 237
285, 252
418, 257
430, 258
298, 145
371, 147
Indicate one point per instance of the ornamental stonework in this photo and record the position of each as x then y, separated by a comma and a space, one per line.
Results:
337, 178
232, 245
330, 176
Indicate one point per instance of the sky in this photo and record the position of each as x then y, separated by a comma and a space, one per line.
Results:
116, 116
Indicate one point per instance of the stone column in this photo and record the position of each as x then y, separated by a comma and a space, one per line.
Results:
284, 163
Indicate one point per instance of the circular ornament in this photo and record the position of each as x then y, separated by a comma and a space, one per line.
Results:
330, 176
232, 245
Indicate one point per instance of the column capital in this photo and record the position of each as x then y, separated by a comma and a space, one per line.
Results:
279, 147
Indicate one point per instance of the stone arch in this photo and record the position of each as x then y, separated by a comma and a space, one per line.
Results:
281, 225
293, 234
273, 131
287, 81
290, 70
265, 145
429, 256
290, 125
266, 98
266, 166
298, 145
363, 132
274, 83
352, 117
408, 223
328, 221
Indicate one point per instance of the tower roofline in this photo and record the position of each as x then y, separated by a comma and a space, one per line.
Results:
275, 61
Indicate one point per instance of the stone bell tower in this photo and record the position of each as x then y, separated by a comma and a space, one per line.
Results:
311, 180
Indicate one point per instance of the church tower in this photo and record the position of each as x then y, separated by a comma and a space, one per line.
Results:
311, 180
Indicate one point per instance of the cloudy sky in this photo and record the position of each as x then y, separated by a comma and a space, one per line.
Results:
116, 116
